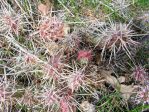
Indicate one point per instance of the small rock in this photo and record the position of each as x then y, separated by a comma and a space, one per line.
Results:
87, 107
121, 79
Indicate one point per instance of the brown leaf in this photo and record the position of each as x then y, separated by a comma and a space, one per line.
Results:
112, 80
127, 90
109, 78
43, 9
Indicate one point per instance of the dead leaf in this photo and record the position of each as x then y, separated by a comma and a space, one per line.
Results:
106, 72
127, 90
109, 78
112, 80
43, 9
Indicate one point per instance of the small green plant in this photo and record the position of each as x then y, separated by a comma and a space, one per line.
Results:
111, 102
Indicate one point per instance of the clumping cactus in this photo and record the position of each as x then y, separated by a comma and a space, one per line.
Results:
117, 37
75, 80
10, 21
64, 105
143, 95
49, 98
45, 67
139, 74
51, 28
